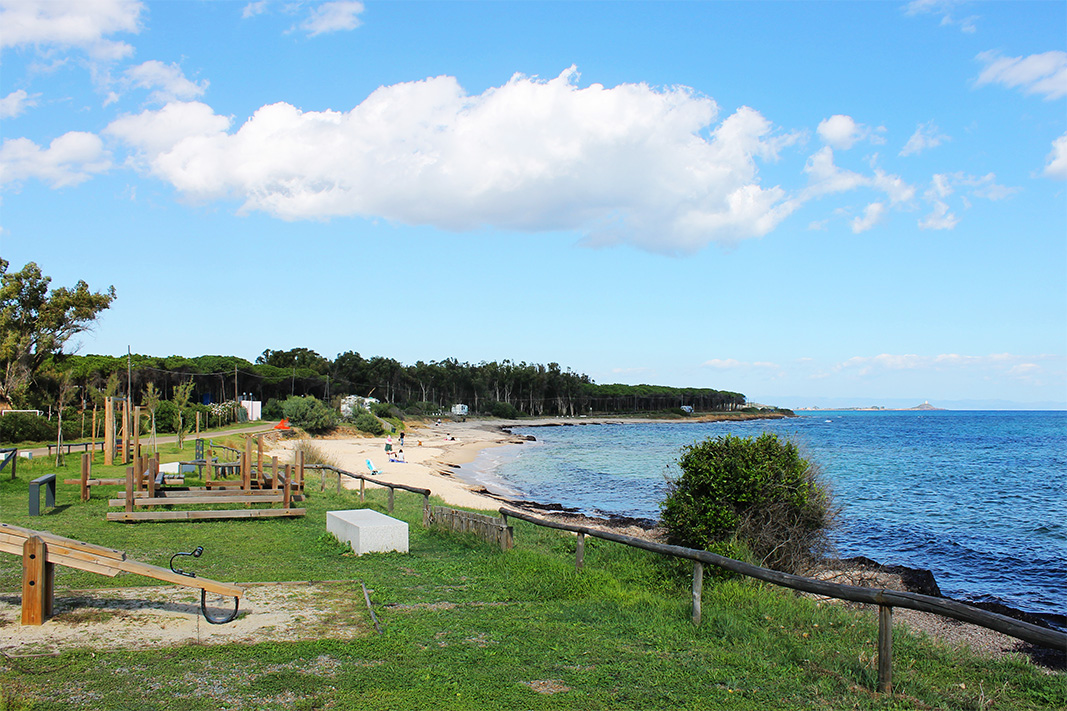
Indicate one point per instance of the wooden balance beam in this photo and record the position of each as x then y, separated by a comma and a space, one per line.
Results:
42, 551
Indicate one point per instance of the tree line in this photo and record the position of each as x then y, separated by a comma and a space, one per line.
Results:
502, 388
36, 323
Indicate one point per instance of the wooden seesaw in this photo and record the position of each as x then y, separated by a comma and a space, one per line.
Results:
41, 551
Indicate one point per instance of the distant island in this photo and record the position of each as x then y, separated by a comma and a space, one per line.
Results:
925, 406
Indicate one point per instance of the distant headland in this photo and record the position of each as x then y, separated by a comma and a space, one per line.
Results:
925, 406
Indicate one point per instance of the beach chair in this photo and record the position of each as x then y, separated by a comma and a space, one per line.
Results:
372, 470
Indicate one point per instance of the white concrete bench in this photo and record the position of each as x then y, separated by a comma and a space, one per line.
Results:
368, 531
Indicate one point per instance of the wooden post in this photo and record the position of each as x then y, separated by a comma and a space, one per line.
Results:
126, 430
198, 425
885, 649
210, 473
362, 489
322, 480
698, 590
287, 491
109, 431
92, 435
392, 491
246, 465
274, 476
300, 471
38, 582
152, 471
425, 509
129, 490
579, 558
259, 461
136, 426
86, 467
138, 472
338, 483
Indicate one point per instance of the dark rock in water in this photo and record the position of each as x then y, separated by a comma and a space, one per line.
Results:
1041, 620
916, 580
530, 438
537, 506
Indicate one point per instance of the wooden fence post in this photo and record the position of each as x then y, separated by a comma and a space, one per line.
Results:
391, 492
109, 431
698, 590
579, 558
287, 491
362, 489
246, 465
38, 582
259, 460
338, 483
86, 466
425, 509
274, 476
129, 491
885, 649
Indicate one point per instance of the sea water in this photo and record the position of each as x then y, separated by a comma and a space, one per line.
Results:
979, 498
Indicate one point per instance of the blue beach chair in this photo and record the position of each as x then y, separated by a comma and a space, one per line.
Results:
372, 470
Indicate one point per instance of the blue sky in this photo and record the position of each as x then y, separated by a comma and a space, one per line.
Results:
812, 203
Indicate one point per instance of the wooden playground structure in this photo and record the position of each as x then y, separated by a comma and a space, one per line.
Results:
42, 551
257, 485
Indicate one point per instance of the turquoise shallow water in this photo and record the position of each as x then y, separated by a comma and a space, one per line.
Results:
979, 498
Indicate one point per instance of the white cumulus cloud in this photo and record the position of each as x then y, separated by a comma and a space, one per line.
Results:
1056, 165
70, 159
927, 135
167, 80
872, 215
16, 103
84, 24
630, 164
333, 17
1044, 74
842, 132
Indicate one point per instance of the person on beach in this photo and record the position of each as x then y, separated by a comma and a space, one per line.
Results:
388, 445
401, 439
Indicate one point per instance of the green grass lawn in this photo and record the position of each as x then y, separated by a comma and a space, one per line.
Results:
466, 626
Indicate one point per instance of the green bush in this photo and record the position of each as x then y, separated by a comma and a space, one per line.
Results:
272, 410
309, 414
737, 494
385, 410
24, 427
166, 416
366, 422
503, 410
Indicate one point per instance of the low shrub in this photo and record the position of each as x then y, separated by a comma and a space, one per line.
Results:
759, 495
309, 414
503, 410
18, 427
366, 422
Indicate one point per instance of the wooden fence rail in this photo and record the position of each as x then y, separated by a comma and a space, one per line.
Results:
885, 599
489, 528
363, 479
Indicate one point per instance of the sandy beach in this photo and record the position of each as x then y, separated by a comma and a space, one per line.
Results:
432, 453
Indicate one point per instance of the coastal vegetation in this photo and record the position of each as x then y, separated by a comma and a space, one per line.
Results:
467, 626
750, 498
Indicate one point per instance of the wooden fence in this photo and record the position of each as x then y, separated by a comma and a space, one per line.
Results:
885, 599
489, 528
